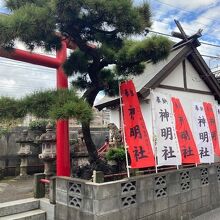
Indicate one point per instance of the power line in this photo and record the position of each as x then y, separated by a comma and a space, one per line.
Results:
204, 25
169, 35
181, 9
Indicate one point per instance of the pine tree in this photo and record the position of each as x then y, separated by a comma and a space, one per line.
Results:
104, 32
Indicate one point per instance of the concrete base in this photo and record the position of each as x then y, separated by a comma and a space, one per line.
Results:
49, 208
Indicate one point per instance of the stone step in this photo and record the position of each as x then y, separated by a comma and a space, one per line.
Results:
18, 206
30, 215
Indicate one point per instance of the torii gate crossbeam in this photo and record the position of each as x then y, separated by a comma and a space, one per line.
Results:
62, 126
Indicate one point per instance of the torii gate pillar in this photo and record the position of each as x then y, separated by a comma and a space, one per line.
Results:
62, 129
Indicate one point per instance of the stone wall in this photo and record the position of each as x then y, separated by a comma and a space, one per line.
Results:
9, 160
180, 194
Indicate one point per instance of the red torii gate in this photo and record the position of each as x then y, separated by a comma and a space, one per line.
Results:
62, 126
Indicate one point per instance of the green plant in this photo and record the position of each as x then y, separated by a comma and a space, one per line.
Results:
117, 154
40, 124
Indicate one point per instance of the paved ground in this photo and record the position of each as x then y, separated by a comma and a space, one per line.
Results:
15, 188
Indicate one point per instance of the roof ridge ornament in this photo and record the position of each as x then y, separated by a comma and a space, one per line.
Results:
185, 38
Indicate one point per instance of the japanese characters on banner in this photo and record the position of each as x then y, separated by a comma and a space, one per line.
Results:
136, 135
212, 126
202, 133
186, 141
167, 149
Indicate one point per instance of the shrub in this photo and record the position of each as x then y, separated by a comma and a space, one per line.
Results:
117, 154
40, 124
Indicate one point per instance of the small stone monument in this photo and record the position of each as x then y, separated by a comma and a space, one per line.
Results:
25, 142
48, 155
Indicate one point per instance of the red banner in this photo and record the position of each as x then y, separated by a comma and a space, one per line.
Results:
186, 141
212, 126
136, 135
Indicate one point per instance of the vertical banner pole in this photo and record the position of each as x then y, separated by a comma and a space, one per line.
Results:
122, 123
153, 129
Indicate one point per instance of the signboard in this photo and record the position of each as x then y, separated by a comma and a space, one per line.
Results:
136, 135
212, 126
185, 138
202, 133
167, 149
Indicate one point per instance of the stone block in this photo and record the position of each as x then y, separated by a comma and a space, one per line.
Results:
144, 196
194, 205
195, 173
76, 186
199, 212
161, 204
89, 192
175, 213
79, 215
174, 200
61, 184
173, 177
88, 205
146, 209
214, 195
130, 213
163, 215
49, 208
106, 205
61, 197
109, 216
185, 196
196, 193
195, 183
173, 189
183, 207
206, 201
151, 217
145, 183
205, 190
212, 170
61, 212
106, 191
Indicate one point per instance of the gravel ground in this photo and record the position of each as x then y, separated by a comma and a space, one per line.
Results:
12, 188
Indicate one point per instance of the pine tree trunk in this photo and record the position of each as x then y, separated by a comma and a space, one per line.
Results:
91, 148
90, 96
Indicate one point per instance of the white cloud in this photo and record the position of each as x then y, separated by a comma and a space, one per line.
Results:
190, 5
19, 79
2, 3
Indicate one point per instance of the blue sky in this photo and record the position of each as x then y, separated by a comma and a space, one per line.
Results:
18, 79
193, 15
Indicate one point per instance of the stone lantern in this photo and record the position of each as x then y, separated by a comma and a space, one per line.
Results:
48, 155
25, 150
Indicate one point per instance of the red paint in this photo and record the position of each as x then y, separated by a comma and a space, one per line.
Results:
212, 126
25, 56
62, 81
189, 151
62, 146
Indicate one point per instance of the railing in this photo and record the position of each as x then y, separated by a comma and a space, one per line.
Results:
145, 171
103, 149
